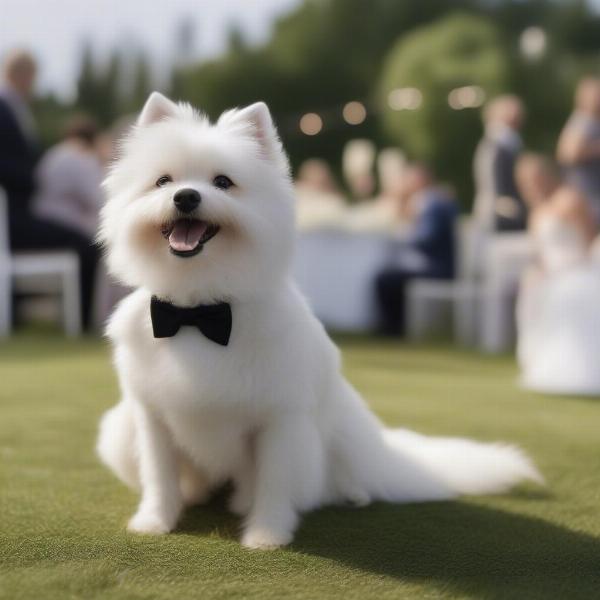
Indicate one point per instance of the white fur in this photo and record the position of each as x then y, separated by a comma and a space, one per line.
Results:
271, 411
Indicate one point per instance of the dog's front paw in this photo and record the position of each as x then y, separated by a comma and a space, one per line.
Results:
265, 539
149, 522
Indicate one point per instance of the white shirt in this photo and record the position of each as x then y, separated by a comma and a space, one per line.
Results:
69, 189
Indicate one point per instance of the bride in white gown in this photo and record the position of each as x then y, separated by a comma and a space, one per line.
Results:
558, 310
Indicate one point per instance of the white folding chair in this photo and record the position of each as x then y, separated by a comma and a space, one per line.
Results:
426, 297
5, 271
5, 296
47, 272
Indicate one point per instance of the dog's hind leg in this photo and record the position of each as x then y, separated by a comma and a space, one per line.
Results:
116, 444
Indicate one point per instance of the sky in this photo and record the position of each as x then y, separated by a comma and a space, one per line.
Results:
55, 30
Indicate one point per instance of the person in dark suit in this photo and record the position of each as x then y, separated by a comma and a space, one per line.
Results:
427, 252
498, 204
18, 157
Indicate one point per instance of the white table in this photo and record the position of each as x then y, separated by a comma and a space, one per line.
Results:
336, 270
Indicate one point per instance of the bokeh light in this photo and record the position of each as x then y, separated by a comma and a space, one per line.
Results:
468, 96
407, 98
533, 42
354, 113
311, 124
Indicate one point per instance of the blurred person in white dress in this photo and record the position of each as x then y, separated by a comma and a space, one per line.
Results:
319, 202
69, 178
578, 149
558, 310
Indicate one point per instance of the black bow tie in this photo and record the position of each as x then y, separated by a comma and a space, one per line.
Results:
213, 320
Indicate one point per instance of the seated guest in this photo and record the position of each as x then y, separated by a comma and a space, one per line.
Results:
319, 201
557, 313
498, 205
69, 177
18, 153
391, 163
358, 159
386, 212
427, 251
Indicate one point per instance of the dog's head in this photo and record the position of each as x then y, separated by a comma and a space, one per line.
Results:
198, 211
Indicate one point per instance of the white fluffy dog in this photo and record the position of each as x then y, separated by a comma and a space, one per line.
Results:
201, 215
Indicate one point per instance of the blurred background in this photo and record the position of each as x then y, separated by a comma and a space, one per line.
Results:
446, 155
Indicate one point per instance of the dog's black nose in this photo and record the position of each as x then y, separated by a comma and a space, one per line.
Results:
187, 200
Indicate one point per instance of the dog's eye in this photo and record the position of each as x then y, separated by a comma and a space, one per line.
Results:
222, 182
163, 180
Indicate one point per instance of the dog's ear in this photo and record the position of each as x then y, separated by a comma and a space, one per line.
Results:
157, 107
257, 118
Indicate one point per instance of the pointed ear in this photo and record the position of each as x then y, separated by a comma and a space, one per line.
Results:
258, 117
157, 107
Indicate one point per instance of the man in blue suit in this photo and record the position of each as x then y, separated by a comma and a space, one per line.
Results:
18, 156
427, 251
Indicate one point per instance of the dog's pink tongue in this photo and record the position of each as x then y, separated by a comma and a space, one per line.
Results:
186, 235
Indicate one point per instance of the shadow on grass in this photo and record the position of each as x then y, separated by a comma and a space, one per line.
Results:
213, 518
472, 550
469, 550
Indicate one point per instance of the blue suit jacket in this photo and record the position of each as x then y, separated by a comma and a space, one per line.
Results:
433, 234
17, 163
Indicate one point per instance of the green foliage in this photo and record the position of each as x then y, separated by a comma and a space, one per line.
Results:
51, 116
98, 89
320, 56
457, 51
575, 26
140, 85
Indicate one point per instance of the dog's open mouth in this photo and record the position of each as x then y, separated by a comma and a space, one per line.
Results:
187, 236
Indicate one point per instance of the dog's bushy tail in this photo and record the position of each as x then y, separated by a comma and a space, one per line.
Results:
397, 465
458, 466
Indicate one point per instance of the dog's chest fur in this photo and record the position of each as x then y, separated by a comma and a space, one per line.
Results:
264, 366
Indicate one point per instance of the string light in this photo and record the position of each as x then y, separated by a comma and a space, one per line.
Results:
311, 124
533, 43
407, 98
469, 96
354, 113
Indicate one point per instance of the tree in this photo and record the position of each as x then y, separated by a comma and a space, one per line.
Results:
457, 51
141, 84
99, 91
87, 82
320, 56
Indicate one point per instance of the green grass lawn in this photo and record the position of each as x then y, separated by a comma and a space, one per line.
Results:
62, 516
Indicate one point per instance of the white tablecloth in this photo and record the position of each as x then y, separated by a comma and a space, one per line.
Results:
336, 270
